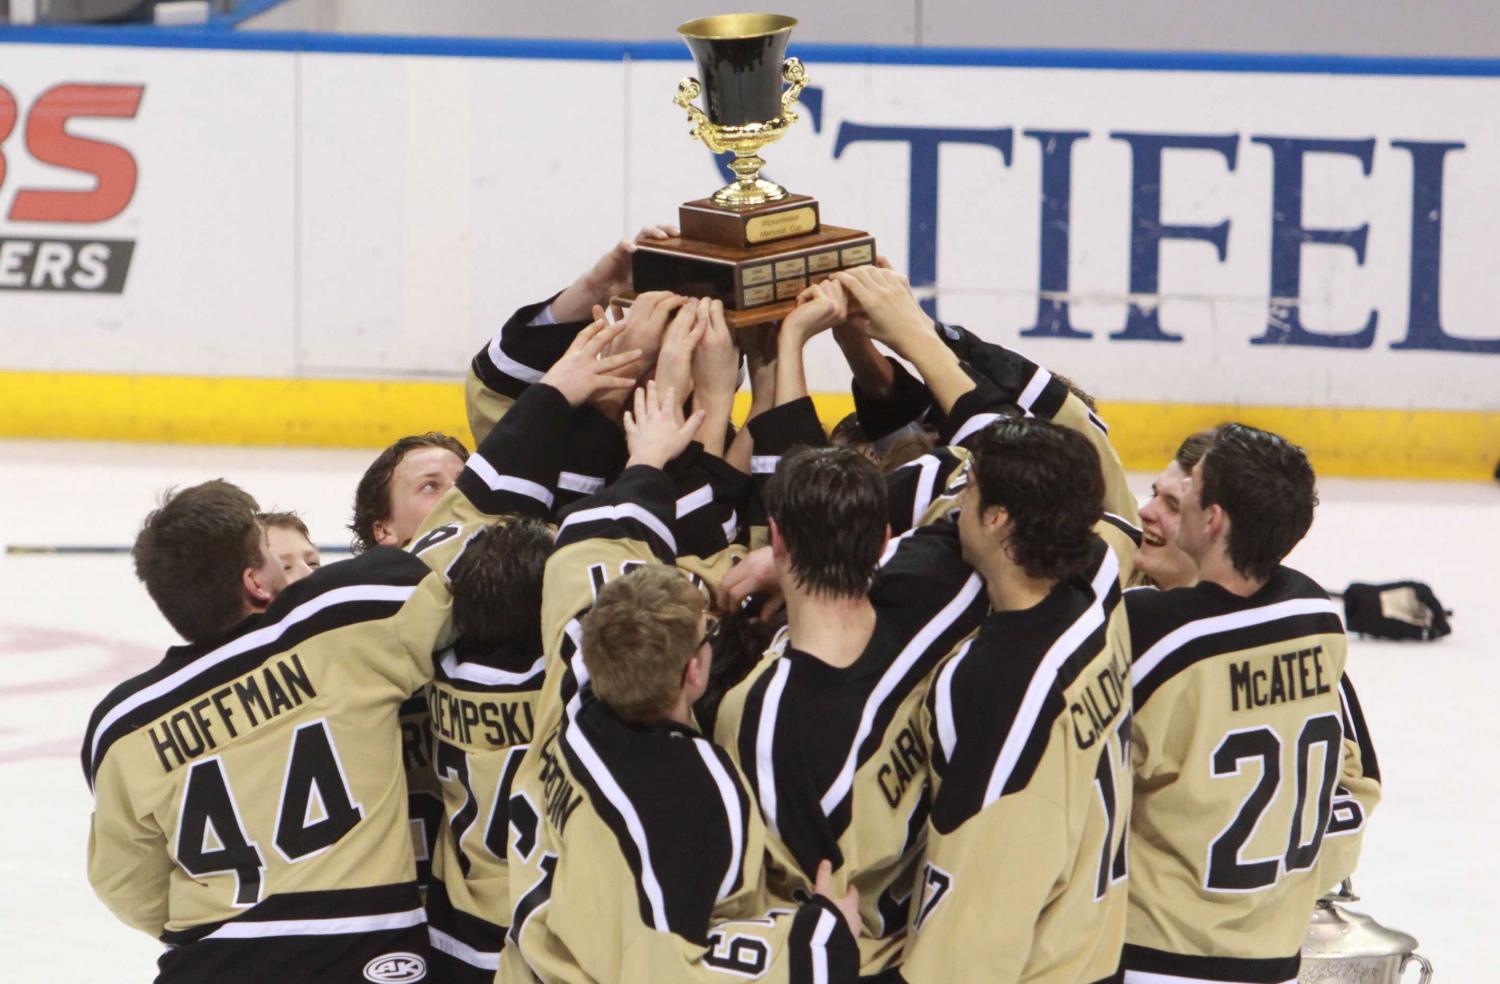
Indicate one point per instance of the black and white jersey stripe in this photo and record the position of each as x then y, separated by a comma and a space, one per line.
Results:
1172, 630
373, 586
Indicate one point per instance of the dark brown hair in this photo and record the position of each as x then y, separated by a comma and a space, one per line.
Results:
497, 586
192, 552
372, 498
1192, 449
830, 506
1267, 486
1048, 479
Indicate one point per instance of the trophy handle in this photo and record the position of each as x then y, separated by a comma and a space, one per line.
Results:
793, 72
688, 90
1426, 977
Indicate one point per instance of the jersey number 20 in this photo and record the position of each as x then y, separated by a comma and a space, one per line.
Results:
1227, 870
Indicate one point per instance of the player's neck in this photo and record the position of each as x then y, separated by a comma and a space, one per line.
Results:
1217, 569
1011, 589
835, 630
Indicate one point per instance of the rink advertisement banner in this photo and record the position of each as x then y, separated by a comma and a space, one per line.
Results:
1195, 237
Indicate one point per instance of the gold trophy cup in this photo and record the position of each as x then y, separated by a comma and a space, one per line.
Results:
751, 244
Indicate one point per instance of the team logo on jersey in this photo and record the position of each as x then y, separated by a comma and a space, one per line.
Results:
393, 968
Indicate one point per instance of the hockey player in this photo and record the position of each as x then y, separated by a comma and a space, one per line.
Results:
824, 728
289, 541
401, 487
1021, 878
485, 688
249, 801
635, 851
1253, 771
1161, 562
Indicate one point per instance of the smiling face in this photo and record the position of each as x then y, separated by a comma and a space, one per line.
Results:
420, 479
1160, 558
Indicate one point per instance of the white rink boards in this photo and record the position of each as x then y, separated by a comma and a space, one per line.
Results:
71, 628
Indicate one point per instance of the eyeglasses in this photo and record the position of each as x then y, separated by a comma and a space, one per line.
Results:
710, 634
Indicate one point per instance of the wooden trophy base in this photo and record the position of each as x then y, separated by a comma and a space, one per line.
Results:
756, 260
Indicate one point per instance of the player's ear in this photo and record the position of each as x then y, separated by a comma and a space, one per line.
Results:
257, 595
778, 542
383, 534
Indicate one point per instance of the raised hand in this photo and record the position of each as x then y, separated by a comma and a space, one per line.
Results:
716, 360
655, 431
893, 314
583, 371
674, 364
609, 276
848, 904
819, 308
646, 322
755, 574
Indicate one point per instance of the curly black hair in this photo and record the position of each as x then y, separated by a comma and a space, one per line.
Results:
1048, 479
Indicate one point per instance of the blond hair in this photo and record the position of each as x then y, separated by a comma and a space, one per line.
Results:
638, 638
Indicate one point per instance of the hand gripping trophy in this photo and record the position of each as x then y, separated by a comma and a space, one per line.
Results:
751, 244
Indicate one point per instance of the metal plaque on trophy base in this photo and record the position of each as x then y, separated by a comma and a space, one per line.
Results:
750, 244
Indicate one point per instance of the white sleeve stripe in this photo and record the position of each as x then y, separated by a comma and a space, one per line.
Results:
625, 510
925, 482
508, 483
1184, 634
695, 500
1122, 520
1034, 388
510, 366
764, 464
263, 636
974, 425
732, 814
600, 773
765, 737
580, 669
247, 930
1046, 675
820, 936
898, 669
732, 526
947, 729
459, 950
891, 547
574, 482
488, 676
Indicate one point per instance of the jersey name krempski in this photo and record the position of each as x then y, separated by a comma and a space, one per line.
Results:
502, 722
260, 696
1278, 679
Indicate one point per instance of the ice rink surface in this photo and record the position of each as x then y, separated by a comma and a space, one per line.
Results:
73, 627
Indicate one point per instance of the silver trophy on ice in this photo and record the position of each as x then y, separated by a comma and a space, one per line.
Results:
1347, 947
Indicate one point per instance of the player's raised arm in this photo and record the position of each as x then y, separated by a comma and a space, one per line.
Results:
537, 335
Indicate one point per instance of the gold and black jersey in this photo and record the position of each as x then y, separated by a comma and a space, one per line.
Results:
1023, 877
836, 757
250, 802
483, 720
249, 799
1246, 776
638, 856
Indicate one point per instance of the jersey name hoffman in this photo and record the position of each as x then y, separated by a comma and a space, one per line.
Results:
256, 698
